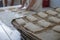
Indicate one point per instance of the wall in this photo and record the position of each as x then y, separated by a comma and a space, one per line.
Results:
55, 3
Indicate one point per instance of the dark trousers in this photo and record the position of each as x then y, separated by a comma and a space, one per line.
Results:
1, 4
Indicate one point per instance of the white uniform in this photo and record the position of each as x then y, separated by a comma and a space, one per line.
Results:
37, 6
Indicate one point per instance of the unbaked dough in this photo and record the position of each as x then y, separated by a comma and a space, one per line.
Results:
20, 21
54, 19
31, 18
58, 9
32, 27
57, 28
42, 14
44, 23
51, 12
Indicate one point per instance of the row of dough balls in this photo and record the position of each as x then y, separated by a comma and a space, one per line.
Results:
54, 13
41, 22
50, 12
30, 26
50, 18
44, 15
41, 14
34, 27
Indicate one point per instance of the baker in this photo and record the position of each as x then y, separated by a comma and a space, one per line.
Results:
35, 5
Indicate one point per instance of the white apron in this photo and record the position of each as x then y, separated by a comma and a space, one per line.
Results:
37, 6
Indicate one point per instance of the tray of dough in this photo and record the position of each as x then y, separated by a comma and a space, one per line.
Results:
38, 26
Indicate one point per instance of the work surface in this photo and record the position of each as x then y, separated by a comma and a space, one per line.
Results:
7, 31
